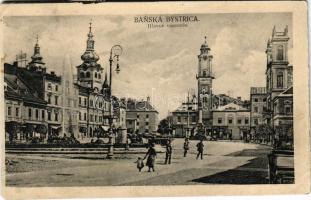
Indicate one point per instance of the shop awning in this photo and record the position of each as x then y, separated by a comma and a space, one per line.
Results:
105, 128
55, 127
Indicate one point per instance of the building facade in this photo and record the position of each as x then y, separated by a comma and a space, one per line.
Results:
185, 118
231, 121
141, 117
258, 104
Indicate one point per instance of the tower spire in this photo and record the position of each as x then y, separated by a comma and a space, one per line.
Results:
89, 54
36, 59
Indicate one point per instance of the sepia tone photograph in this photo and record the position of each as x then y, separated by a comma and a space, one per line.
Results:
149, 100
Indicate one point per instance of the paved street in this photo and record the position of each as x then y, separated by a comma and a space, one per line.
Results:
224, 163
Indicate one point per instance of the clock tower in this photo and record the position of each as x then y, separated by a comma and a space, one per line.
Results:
205, 78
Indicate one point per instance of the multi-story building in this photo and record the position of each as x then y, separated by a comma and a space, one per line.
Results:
185, 118
258, 104
25, 110
45, 86
231, 121
141, 116
94, 102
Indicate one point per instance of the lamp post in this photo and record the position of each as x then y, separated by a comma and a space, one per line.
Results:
115, 52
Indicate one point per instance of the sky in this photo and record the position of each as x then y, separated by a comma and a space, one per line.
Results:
160, 62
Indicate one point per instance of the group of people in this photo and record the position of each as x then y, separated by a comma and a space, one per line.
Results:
152, 154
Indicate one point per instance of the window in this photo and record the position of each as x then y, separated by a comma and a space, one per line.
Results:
256, 121
79, 115
147, 116
255, 109
95, 118
37, 113
256, 100
219, 120
56, 100
9, 111
16, 112
91, 103
29, 112
280, 53
130, 122
246, 120
79, 100
42, 114
88, 75
179, 119
288, 109
264, 99
56, 116
193, 119
56, 87
99, 76
49, 116
239, 121
84, 116
49, 99
49, 86
95, 75
147, 123
81, 75
204, 73
137, 116
279, 80
91, 116
230, 121
85, 101
137, 123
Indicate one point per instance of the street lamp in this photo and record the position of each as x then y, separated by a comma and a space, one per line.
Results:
115, 52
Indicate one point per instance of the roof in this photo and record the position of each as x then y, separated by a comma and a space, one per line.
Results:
231, 107
134, 105
16, 89
258, 90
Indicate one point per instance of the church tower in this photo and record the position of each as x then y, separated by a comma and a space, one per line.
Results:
36, 63
277, 72
90, 72
205, 78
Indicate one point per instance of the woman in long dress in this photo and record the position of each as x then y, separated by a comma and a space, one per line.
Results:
151, 156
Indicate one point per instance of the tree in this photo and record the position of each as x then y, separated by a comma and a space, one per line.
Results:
263, 132
164, 127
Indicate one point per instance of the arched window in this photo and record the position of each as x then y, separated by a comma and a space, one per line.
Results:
204, 74
88, 75
95, 75
279, 80
81, 75
280, 55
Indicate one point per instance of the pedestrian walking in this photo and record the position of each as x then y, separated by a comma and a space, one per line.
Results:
151, 156
168, 153
200, 147
140, 164
186, 146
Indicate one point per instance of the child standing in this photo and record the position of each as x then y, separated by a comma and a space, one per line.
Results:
140, 163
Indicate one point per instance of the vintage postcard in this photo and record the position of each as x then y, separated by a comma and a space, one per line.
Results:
154, 99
